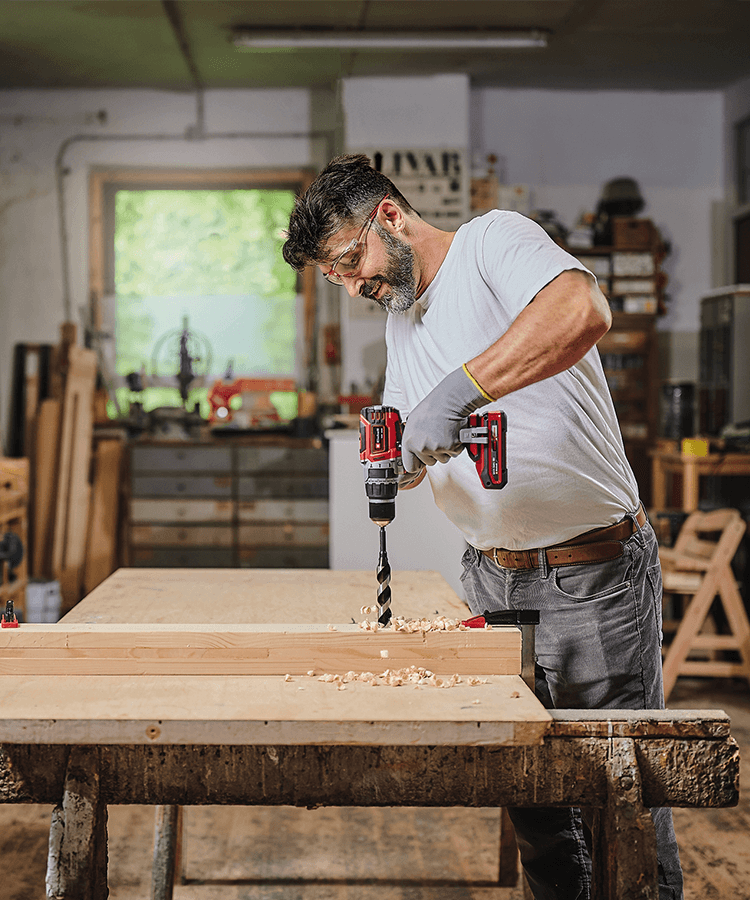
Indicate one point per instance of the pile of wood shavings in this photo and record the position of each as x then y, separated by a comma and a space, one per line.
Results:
411, 626
414, 675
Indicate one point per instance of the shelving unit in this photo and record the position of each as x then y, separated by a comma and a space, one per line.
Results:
221, 504
631, 278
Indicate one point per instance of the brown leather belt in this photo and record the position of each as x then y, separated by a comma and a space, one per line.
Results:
599, 545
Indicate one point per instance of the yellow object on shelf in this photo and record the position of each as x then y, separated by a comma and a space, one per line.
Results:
695, 447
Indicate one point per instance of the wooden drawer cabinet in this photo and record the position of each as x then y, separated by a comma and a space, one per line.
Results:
263, 504
150, 458
185, 535
197, 485
183, 558
290, 486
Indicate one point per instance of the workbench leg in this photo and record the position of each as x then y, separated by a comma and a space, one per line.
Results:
624, 840
508, 864
77, 858
167, 846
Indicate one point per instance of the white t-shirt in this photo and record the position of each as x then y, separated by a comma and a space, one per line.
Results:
567, 470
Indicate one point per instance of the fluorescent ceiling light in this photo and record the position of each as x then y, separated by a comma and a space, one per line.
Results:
293, 39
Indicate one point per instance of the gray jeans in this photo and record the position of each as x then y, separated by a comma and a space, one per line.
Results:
598, 646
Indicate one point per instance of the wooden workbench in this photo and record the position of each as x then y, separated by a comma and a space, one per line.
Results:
84, 742
670, 465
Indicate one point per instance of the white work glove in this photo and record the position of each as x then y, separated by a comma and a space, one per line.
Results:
432, 428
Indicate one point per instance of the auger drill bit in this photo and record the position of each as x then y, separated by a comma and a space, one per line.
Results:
384, 582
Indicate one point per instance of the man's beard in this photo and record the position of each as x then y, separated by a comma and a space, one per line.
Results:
398, 275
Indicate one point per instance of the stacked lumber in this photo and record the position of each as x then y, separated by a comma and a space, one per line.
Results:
74, 476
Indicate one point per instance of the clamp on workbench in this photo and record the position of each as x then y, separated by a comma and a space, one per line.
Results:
11, 554
526, 621
9, 619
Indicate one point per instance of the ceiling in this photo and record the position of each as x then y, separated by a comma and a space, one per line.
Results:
183, 44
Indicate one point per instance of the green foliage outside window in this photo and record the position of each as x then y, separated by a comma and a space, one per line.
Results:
213, 257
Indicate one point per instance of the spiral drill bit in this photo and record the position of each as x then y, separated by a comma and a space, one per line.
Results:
384, 582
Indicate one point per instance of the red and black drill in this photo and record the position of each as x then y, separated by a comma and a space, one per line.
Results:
380, 430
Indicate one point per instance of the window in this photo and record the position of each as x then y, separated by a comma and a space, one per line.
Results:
187, 270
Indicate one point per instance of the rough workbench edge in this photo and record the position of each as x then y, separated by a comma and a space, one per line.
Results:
707, 723
563, 772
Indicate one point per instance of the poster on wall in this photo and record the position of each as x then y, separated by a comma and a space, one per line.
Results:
433, 180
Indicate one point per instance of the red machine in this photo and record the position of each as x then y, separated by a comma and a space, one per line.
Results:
255, 394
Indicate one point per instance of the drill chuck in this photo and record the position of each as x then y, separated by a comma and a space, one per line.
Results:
381, 487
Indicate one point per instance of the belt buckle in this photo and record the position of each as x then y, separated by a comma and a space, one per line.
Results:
495, 559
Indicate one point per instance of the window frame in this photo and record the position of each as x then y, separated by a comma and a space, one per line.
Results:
105, 182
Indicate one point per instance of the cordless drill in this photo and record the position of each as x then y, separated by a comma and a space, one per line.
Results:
380, 430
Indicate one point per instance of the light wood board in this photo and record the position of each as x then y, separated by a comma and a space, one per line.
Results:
268, 710
152, 649
247, 596
233, 709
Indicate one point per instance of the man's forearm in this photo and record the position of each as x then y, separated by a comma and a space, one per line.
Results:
555, 331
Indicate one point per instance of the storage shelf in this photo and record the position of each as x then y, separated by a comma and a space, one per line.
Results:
250, 504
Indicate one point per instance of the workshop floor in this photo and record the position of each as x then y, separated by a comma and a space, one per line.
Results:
364, 854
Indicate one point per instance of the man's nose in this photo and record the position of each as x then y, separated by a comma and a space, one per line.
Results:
353, 286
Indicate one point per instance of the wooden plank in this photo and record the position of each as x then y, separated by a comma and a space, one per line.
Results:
44, 649
101, 546
286, 596
72, 506
46, 447
266, 710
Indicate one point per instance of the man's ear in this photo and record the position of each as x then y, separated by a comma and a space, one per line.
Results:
391, 216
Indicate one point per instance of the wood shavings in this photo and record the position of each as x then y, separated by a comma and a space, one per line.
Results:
412, 626
367, 610
288, 678
384, 654
417, 676
332, 628
515, 695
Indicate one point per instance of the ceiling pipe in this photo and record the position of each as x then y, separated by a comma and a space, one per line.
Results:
178, 28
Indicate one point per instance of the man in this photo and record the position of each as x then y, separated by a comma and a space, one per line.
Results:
498, 312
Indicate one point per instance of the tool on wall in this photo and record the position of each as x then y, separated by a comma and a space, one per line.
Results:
380, 431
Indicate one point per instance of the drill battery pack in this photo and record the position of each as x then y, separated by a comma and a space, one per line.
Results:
485, 444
